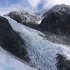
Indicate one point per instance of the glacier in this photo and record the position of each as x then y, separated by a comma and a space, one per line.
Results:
10, 62
41, 52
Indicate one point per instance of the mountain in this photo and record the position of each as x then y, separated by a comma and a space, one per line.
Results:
25, 48
57, 8
11, 45
41, 13
43, 54
9, 39
56, 24
25, 17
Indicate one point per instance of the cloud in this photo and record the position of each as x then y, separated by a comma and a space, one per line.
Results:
4, 10
30, 5
22, 5
14, 7
50, 3
46, 3
34, 3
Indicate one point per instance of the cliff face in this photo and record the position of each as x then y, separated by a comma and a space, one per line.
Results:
9, 39
24, 17
37, 50
56, 25
43, 54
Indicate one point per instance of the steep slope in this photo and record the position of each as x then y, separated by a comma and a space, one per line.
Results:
42, 53
57, 24
25, 18
61, 9
11, 41
10, 62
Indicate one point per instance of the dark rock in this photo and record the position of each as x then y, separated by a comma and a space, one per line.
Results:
56, 25
16, 17
61, 9
62, 63
9, 39
24, 18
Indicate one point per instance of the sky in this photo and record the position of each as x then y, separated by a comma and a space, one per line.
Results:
30, 5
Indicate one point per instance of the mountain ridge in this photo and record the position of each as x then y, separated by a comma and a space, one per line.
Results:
25, 17
33, 42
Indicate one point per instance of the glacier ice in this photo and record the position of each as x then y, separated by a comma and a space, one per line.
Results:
41, 52
10, 62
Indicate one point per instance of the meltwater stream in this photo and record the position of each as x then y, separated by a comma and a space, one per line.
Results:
41, 52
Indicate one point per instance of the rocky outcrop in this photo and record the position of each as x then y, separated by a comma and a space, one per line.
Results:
62, 63
10, 40
56, 24
61, 9
24, 17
